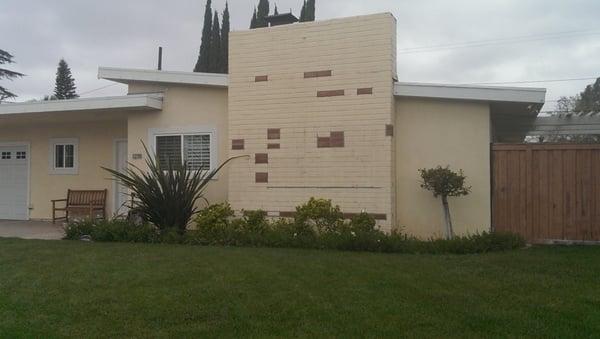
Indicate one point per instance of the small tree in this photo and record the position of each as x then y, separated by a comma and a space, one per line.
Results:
444, 183
65, 84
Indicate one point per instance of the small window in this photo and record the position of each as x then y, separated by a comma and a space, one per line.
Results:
191, 148
63, 156
21, 155
6, 155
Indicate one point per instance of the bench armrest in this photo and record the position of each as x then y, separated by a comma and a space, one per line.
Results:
58, 200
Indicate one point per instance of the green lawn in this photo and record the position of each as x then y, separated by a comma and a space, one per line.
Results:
76, 289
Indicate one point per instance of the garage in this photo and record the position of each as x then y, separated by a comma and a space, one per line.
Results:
14, 181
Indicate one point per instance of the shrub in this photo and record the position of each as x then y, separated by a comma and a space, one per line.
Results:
112, 231
166, 197
319, 213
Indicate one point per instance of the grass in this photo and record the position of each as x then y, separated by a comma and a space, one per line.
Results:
77, 289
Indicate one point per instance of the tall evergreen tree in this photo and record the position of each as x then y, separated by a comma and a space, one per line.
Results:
7, 58
203, 57
303, 12
310, 10
262, 12
65, 84
254, 21
214, 59
276, 12
225, 27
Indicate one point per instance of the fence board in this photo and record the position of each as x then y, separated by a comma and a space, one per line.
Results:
549, 191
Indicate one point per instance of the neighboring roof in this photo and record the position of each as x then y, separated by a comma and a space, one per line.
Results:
129, 75
122, 103
468, 92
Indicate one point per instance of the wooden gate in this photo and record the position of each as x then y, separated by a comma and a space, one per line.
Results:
546, 191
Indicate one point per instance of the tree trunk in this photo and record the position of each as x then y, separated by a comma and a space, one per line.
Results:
449, 231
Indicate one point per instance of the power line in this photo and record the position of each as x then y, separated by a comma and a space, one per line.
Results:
531, 81
97, 89
486, 42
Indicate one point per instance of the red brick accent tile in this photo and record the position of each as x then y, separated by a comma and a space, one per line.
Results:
273, 146
323, 142
273, 133
262, 178
237, 144
363, 91
261, 158
261, 78
376, 216
336, 139
317, 74
389, 130
287, 214
333, 93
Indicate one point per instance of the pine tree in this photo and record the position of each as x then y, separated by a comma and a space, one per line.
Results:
254, 21
262, 12
214, 59
203, 57
65, 84
225, 27
310, 10
303, 12
275, 12
7, 58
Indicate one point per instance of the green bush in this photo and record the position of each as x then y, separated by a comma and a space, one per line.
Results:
112, 231
217, 226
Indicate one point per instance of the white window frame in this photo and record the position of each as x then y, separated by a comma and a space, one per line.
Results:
183, 131
52, 156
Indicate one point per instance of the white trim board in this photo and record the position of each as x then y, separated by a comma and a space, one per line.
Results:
126, 102
466, 92
129, 75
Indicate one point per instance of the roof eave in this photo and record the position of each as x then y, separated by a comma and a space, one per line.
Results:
472, 93
125, 103
131, 75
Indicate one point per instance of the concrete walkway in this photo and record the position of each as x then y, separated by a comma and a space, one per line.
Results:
30, 230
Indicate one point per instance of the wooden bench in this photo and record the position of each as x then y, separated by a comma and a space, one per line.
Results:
85, 202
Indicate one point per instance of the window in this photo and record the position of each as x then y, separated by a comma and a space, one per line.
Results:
195, 149
21, 155
6, 155
63, 156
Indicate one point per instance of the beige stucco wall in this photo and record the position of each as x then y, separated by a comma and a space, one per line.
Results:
440, 132
96, 140
359, 52
184, 107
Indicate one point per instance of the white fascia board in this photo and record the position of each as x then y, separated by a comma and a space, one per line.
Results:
465, 92
129, 75
127, 102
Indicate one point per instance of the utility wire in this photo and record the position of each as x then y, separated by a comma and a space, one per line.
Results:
99, 88
532, 81
486, 42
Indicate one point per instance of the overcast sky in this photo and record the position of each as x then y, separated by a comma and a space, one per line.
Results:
557, 39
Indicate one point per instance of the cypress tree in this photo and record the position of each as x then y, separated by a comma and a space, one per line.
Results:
204, 55
262, 12
65, 84
225, 27
7, 58
214, 59
275, 12
254, 21
303, 12
310, 10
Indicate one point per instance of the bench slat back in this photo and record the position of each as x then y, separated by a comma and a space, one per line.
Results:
81, 198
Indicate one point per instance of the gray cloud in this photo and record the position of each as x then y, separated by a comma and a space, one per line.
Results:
126, 33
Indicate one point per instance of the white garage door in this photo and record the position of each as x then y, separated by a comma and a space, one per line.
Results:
14, 178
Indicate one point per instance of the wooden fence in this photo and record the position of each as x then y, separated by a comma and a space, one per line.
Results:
547, 191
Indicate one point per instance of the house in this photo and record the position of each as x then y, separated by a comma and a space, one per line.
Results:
316, 106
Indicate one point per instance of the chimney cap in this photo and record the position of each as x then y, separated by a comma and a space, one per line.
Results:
281, 19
